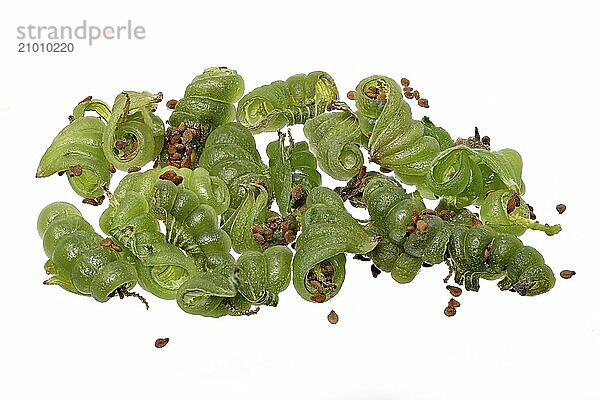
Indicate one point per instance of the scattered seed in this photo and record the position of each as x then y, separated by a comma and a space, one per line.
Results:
91, 202
171, 104
76, 170
416, 95
174, 139
409, 95
133, 169
404, 82
567, 274
318, 298
423, 103
513, 202
171, 149
106, 242
161, 342
351, 95
454, 291
176, 156
561, 208
449, 311
453, 303
375, 271
89, 98
116, 247
333, 318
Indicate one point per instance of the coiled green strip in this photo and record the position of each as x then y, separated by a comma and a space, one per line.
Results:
77, 151
264, 275
134, 135
77, 262
335, 138
396, 141
230, 153
164, 267
479, 252
301, 97
209, 100
328, 231
190, 225
392, 210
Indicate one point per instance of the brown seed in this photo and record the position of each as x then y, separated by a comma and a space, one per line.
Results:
179, 147
173, 163
111, 168
100, 199
71, 118
120, 144
371, 92
485, 140
316, 285
407, 89
258, 237
423, 103
486, 254
268, 234
171, 149
381, 96
567, 274
532, 216
385, 170
318, 298
409, 95
327, 269
453, 303
454, 291
410, 228
446, 214
375, 271
174, 139
428, 211
133, 169
417, 95
513, 202
188, 152
351, 95
333, 318
116, 247
421, 226
449, 311
404, 82
181, 128
171, 104
106, 242
89, 98
161, 342
177, 180
188, 135
176, 156
76, 170
91, 202
362, 172
561, 208
289, 236
168, 175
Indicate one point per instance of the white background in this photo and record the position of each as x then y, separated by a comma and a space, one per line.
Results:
526, 74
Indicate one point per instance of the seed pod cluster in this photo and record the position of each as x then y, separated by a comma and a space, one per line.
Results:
175, 227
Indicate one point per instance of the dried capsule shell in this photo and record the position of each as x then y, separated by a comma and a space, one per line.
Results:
333, 318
